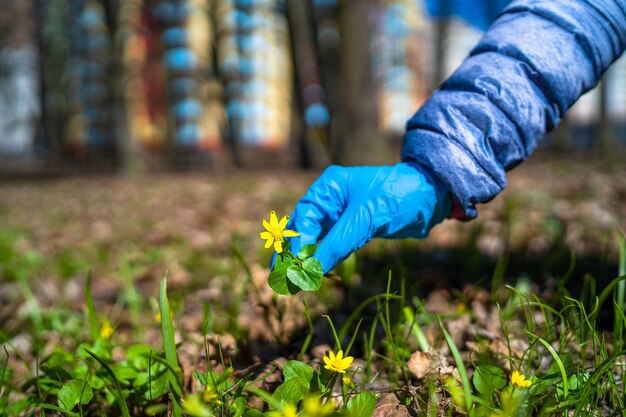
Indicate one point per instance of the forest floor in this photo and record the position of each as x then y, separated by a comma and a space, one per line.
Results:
202, 228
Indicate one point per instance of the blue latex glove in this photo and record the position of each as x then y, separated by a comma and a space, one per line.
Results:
347, 207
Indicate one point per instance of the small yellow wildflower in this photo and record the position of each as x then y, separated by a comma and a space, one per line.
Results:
209, 396
337, 363
157, 316
313, 406
275, 232
193, 406
289, 410
347, 381
519, 381
106, 331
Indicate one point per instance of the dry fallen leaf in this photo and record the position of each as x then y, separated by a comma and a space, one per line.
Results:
430, 364
389, 406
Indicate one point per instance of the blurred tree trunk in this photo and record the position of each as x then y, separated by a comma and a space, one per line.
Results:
44, 139
303, 51
119, 151
357, 140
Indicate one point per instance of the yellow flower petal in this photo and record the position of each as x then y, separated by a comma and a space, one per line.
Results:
518, 380
290, 233
266, 235
337, 363
283, 222
273, 219
278, 246
269, 242
267, 226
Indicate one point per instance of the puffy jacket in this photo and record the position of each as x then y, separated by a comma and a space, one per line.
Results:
532, 64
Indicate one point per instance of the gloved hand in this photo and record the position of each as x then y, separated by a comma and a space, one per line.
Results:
347, 207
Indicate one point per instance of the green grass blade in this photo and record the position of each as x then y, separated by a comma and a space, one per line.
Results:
265, 396
354, 333
92, 317
169, 344
332, 328
558, 361
618, 329
416, 329
621, 270
117, 388
309, 336
497, 279
357, 311
467, 388
4, 389
605, 294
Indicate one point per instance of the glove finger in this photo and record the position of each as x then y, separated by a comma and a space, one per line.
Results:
319, 208
353, 230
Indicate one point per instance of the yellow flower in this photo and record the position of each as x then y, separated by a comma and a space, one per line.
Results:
289, 410
313, 407
209, 396
106, 331
275, 232
519, 381
337, 363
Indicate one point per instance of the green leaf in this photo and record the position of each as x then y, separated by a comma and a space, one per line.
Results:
291, 391
126, 374
92, 317
169, 345
117, 389
137, 355
193, 406
74, 392
154, 409
362, 405
488, 378
17, 407
253, 412
307, 251
278, 277
309, 277
297, 369
313, 267
238, 407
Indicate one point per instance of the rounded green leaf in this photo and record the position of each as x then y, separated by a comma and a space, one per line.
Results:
362, 405
297, 369
314, 268
278, 277
303, 279
488, 378
74, 392
291, 391
307, 251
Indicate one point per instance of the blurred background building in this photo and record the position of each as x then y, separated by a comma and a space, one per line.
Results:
195, 83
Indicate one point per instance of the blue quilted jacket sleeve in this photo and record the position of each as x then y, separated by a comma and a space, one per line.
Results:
532, 64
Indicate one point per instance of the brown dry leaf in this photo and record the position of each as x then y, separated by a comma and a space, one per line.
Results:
389, 406
438, 302
432, 363
457, 328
